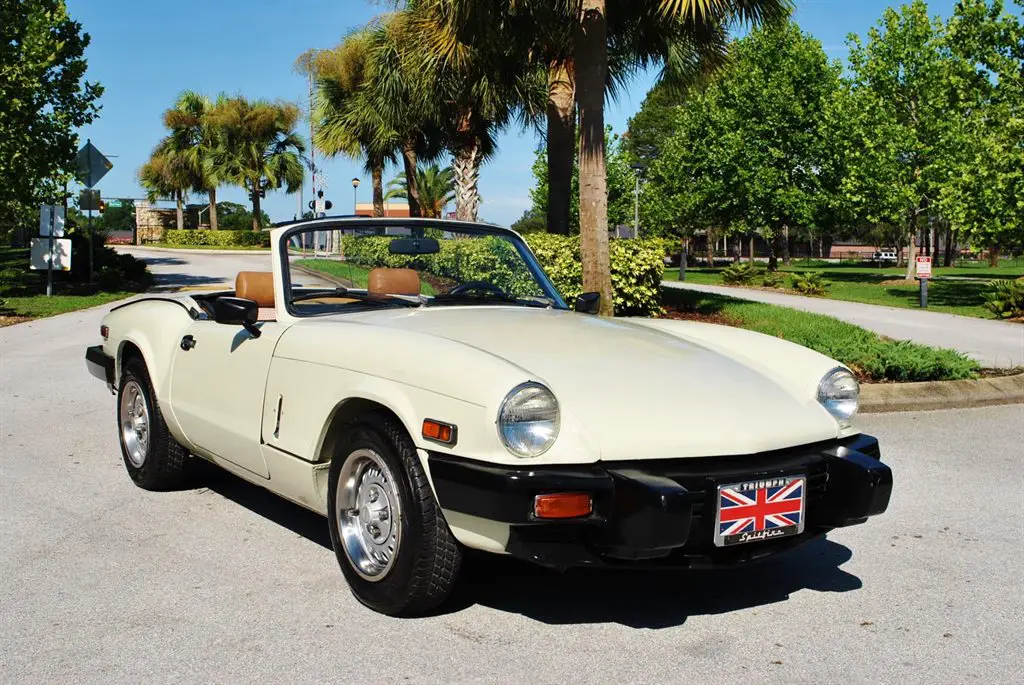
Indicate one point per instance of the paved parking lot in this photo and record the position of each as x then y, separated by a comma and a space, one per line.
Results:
103, 582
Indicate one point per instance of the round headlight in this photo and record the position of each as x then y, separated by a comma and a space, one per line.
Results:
839, 393
528, 420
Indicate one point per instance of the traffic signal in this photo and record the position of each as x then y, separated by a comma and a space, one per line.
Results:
102, 206
327, 204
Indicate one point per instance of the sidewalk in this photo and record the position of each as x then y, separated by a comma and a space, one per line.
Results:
993, 343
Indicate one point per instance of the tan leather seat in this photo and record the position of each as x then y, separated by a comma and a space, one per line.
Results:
392, 282
257, 286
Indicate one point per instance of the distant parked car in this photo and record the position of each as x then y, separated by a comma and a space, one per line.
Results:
885, 256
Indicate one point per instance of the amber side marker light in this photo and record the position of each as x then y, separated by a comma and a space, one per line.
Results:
562, 505
438, 431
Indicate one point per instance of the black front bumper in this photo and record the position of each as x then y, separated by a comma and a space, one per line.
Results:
662, 512
100, 364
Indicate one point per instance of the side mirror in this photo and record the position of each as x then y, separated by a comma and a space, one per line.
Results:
588, 303
237, 311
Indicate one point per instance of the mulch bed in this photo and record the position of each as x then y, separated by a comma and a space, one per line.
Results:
683, 315
6, 320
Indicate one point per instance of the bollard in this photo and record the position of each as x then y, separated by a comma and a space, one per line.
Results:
924, 292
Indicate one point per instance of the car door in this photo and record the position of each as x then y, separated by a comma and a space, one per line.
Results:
218, 379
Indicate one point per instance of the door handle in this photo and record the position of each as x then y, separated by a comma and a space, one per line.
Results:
188, 342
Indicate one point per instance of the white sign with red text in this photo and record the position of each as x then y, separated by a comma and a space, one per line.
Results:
924, 267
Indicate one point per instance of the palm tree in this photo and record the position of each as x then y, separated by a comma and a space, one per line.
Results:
167, 176
260, 149
436, 188
581, 39
344, 119
195, 135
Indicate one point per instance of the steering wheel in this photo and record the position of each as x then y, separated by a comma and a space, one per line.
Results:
477, 286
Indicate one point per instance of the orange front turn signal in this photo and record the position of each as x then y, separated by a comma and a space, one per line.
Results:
563, 505
439, 432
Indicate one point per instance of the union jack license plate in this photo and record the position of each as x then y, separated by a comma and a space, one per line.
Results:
760, 509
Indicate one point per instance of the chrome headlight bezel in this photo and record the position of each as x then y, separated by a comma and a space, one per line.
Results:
534, 437
839, 394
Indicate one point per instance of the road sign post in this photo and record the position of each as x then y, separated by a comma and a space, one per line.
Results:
92, 166
924, 272
49, 262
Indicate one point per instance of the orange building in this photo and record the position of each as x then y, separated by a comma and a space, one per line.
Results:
391, 209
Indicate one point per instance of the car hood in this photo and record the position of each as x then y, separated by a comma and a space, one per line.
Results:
637, 392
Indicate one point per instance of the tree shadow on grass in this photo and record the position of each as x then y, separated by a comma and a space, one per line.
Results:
640, 599
944, 293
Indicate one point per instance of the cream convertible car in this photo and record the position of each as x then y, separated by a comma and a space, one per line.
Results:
424, 385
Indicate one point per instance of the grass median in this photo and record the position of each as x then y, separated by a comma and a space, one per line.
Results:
872, 357
954, 290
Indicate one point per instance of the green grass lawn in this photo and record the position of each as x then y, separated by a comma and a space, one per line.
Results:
23, 291
356, 275
872, 357
233, 248
864, 284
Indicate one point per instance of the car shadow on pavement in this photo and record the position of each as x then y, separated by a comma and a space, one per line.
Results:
640, 599
150, 261
165, 282
650, 599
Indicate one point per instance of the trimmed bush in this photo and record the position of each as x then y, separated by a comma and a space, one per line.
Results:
810, 283
1005, 299
771, 279
637, 266
185, 238
740, 273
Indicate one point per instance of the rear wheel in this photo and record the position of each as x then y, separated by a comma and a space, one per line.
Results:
389, 535
154, 460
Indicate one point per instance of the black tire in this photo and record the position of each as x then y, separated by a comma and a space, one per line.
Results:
427, 559
159, 463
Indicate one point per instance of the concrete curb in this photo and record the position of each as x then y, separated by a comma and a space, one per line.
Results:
184, 250
321, 275
878, 398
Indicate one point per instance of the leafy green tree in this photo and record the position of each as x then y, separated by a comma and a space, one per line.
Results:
260, 149
620, 185
532, 221
436, 188
653, 123
983, 196
121, 218
235, 217
45, 98
196, 136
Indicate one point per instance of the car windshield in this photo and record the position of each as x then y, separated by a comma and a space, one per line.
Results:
357, 264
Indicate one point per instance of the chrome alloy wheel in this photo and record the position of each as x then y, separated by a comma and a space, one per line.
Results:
369, 514
134, 416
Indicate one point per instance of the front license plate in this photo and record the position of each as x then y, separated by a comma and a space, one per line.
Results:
757, 510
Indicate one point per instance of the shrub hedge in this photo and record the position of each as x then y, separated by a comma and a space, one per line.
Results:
636, 266
246, 238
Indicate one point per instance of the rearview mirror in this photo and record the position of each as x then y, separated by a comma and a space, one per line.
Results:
414, 246
588, 303
237, 311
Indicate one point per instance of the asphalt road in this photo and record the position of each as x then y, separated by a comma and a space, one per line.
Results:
103, 582
993, 343
174, 269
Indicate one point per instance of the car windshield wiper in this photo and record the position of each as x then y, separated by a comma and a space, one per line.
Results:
342, 291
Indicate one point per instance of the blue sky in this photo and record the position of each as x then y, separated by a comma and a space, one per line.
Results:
145, 53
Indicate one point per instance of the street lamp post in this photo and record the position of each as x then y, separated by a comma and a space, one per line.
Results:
638, 169
355, 190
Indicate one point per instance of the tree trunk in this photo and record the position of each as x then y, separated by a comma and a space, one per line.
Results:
993, 256
785, 245
561, 138
912, 249
466, 170
180, 206
773, 259
213, 209
377, 181
751, 249
682, 258
409, 162
710, 248
256, 211
948, 258
591, 50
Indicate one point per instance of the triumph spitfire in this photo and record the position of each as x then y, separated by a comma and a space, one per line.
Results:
424, 385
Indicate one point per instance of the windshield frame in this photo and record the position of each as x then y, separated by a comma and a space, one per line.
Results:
468, 227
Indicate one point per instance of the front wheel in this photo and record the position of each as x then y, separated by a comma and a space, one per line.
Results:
388, 533
155, 461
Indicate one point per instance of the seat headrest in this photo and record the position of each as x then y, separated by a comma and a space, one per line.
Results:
383, 281
257, 286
